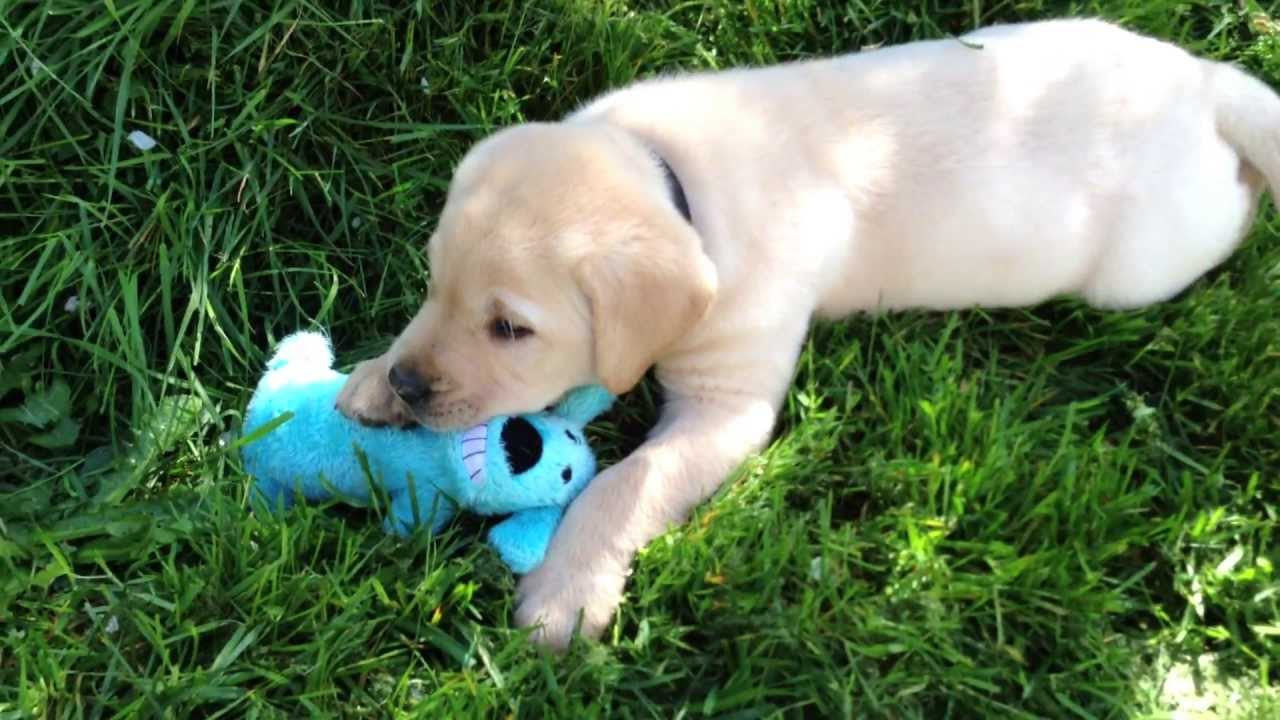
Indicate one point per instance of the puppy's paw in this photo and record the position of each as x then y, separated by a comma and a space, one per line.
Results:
554, 598
368, 399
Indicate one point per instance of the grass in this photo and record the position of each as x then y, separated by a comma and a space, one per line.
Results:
1046, 513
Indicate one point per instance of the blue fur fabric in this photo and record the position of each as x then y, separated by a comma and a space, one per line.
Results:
526, 466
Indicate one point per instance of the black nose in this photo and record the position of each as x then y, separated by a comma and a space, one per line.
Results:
408, 385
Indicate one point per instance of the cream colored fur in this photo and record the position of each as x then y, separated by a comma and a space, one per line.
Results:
1027, 162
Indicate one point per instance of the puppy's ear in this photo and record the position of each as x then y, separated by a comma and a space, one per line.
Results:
645, 293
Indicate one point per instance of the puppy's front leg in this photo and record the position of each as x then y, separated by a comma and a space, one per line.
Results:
694, 448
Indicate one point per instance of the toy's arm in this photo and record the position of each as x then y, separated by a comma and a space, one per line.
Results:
522, 539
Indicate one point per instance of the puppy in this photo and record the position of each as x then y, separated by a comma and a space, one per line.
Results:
699, 222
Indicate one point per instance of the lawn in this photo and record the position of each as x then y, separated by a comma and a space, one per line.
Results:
1046, 513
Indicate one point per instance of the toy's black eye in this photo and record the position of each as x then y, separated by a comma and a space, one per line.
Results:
566, 474
572, 436
503, 329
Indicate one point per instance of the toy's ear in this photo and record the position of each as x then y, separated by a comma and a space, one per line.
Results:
303, 348
582, 405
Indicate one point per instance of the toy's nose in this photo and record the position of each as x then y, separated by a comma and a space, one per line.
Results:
408, 385
522, 443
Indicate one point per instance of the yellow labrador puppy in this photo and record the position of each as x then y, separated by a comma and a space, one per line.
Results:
699, 222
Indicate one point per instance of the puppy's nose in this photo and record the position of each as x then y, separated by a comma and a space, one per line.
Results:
408, 385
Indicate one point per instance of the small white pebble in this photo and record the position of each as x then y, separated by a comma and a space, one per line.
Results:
356, 222
815, 569
1197, 597
113, 624
224, 440
417, 690
424, 84
72, 304
141, 140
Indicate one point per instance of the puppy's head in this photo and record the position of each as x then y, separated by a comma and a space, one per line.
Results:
559, 260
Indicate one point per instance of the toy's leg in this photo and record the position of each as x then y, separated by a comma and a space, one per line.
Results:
434, 510
522, 539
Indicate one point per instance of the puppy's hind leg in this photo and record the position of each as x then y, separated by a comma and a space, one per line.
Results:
1185, 214
1193, 190
1162, 248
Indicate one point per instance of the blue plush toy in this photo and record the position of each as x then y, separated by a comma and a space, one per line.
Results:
529, 466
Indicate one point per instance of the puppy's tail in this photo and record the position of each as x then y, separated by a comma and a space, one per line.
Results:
1248, 114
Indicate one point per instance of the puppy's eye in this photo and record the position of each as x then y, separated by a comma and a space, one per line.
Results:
503, 329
